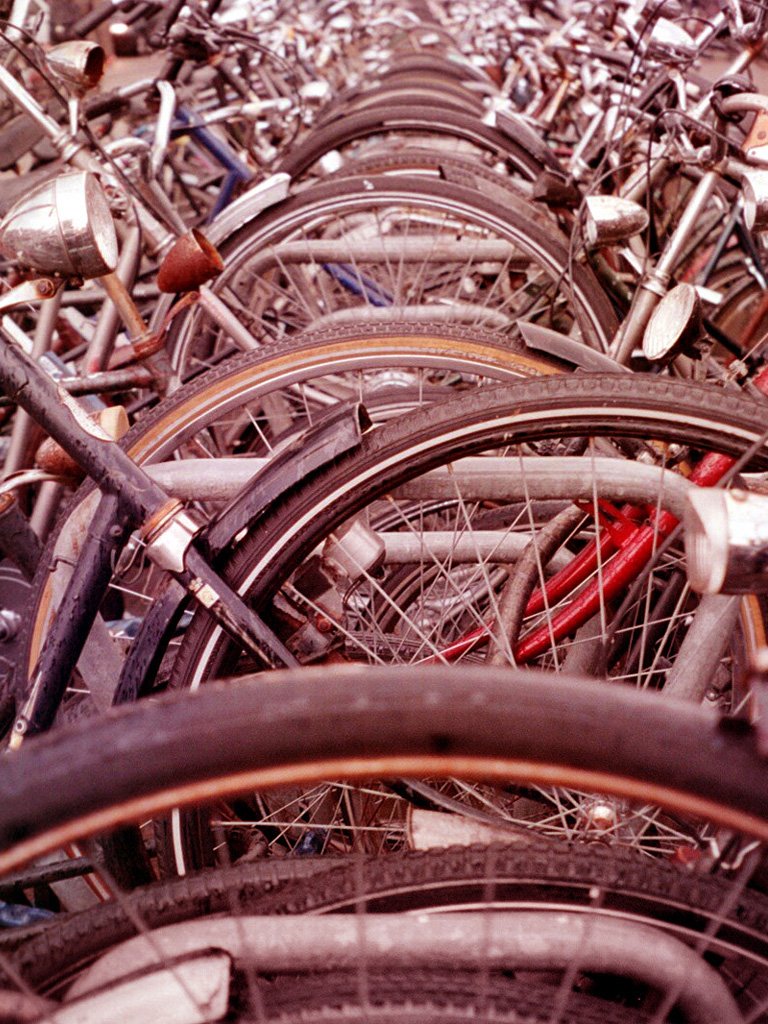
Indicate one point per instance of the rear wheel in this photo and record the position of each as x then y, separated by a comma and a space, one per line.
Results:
514, 727
526, 158
463, 536
380, 249
295, 727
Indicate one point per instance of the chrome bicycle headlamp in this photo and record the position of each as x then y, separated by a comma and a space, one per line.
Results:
755, 193
79, 64
64, 228
611, 219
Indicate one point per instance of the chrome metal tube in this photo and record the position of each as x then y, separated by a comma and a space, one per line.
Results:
491, 478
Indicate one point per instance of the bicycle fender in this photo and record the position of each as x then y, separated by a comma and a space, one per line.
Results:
517, 128
148, 648
302, 454
543, 339
248, 206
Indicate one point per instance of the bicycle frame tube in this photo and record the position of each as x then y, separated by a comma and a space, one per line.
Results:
236, 170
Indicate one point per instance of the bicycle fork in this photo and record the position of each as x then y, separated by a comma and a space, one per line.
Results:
167, 530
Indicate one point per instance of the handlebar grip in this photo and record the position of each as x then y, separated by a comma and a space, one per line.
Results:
104, 103
159, 35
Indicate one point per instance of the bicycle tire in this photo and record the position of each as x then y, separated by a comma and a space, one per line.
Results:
526, 157
447, 91
631, 406
435, 997
407, 91
436, 64
141, 759
457, 169
546, 285
231, 738
535, 874
432, 998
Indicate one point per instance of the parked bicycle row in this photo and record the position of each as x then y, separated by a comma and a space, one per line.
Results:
384, 430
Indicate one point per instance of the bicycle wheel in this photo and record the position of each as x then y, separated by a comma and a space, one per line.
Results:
244, 405
379, 249
294, 727
396, 997
447, 166
409, 92
445, 81
532, 875
432, 997
382, 559
526, 155
543, 878
740, 313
